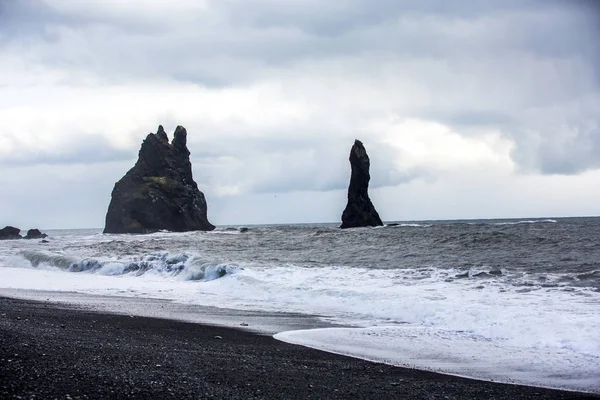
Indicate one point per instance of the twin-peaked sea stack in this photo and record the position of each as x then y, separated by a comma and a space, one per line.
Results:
359, 210
159, 191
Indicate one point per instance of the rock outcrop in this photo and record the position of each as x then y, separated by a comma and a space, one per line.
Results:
35, 234
10, 232
359, 210
159, 191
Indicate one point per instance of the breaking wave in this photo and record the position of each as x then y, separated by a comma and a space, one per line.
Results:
186, 266
528, 221
407, 225
189, 266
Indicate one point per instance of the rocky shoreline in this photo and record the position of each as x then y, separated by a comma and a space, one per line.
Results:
53, 351
11, 233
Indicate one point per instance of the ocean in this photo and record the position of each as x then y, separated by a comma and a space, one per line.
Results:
514, 301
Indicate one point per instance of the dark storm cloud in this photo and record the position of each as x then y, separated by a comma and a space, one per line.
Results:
334, 18
91, 149
274, 31
463, 120
567, 148
233, 42
29, 18
303, 161
286, 163
479, 64
25, 18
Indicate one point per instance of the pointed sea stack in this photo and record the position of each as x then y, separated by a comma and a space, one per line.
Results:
359, 211
159, 191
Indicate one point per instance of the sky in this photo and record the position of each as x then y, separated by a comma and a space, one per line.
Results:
470, 109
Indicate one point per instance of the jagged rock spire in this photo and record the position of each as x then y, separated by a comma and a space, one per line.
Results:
359, 210
159, 192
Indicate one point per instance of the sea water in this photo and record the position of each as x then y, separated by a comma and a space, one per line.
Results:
514, 301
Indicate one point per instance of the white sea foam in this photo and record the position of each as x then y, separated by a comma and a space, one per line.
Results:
407, 225
529, 221
461, 353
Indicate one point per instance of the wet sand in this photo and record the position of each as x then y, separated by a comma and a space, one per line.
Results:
50, 350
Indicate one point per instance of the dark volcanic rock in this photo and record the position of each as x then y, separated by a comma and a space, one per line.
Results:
9, 232
359, 211
159, 191
35, 234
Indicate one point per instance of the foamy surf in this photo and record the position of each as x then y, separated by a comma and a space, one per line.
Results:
527, 221
460, 353
185, 266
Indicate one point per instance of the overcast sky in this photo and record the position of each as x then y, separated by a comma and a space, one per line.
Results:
470, 109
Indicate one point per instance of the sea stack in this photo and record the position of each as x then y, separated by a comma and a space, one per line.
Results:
159, 192
35, 234
359, 211
10, 232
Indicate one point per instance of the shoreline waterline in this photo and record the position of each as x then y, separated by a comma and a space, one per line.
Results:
280, 326
26, 316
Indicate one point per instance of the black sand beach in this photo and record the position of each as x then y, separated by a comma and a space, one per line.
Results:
51, 351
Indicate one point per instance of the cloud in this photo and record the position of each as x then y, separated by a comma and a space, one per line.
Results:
563, 139
58, 195
273, 93
95, 149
